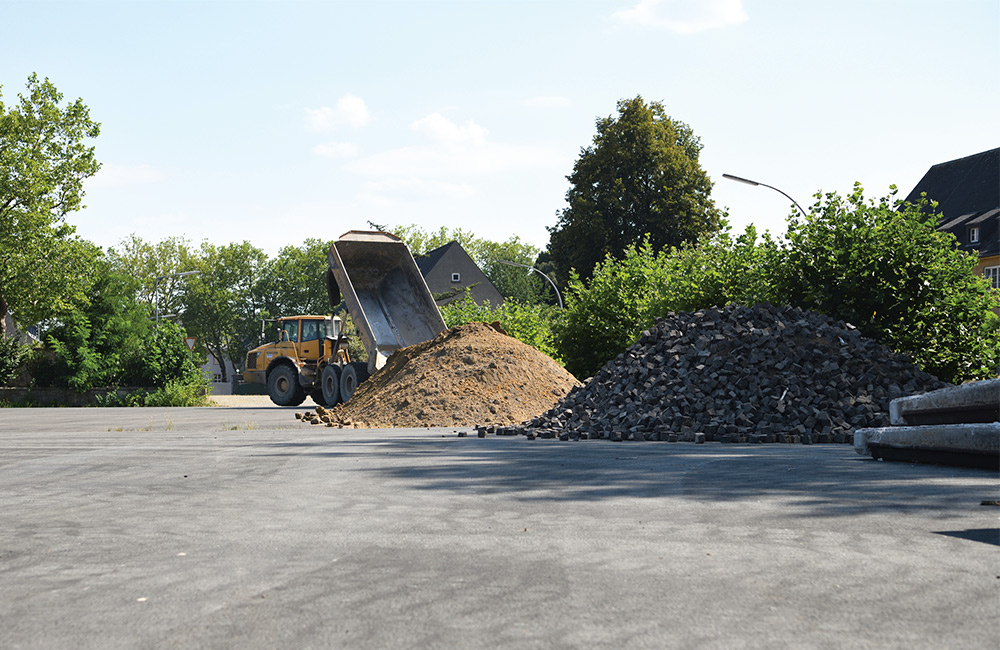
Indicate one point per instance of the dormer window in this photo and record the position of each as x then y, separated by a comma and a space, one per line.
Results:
974, 235
456, 277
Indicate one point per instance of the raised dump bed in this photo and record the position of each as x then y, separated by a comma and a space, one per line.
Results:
384, 292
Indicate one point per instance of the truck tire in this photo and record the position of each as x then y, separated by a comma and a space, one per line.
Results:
283, 387
330, 385
351, 377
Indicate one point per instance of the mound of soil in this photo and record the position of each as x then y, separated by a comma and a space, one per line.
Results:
738, 374
468, 375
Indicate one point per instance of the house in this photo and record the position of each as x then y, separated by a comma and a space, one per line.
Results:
449, 271
968, 194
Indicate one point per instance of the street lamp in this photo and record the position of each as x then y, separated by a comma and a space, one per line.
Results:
530, 269
156, 290
755, 184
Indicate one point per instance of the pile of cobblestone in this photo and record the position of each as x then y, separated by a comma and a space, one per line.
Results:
738, 374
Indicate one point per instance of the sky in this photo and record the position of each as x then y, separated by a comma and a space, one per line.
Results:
273, 121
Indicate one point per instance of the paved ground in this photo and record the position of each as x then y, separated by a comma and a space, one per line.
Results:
241, 528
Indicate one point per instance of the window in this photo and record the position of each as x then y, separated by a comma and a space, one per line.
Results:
310, 330
992, 273
456, 277
290, 331
974, 235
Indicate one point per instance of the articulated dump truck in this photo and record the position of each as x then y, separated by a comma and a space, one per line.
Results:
388, 300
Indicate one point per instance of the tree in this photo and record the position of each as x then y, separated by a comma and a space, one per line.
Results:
221, 305
147, 261
295, 281
43, 163
111, 341
641, 176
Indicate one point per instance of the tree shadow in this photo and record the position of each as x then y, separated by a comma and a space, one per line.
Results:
820, 480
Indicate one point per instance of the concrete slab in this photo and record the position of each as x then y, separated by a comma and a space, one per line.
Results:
973, 402
975, 445
241, 528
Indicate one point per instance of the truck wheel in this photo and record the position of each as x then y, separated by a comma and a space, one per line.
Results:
330, 385
351, 377
283, 387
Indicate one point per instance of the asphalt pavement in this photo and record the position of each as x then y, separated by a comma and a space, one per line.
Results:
243, 528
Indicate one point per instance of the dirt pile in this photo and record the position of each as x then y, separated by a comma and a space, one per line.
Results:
739, 374
468, 375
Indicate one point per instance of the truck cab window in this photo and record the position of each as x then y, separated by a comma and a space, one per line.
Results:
291, 328
310, 330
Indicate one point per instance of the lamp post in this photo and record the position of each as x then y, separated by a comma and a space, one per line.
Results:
530, 269
156, 290
755, 184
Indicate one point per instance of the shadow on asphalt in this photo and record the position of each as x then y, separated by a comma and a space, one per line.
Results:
823, 480
984, 535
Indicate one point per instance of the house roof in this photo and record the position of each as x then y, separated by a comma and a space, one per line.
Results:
966, 186
428, 260
968, 194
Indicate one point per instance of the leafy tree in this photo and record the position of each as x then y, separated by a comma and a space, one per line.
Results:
641, 176
884, 267
147, 261
221, 306
295, 281
43, 163
111, 341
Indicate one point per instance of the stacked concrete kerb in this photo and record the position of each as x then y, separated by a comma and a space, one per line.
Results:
958, 425
739, 374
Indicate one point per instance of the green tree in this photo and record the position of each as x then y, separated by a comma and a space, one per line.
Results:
148, 261
640, 177
43, 163
294, 282
111, 341
221, 305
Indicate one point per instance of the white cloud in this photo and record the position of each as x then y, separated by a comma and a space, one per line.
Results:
451, 151
416, 188
684, 16
112, 175
442, 131
349, 111
336, 150
547, 101
451, 161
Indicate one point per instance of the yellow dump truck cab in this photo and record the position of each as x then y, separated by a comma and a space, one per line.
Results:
309, 358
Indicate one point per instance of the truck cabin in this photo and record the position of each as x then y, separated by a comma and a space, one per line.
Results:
296, 329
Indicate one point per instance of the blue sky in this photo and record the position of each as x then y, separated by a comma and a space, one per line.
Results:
272, 121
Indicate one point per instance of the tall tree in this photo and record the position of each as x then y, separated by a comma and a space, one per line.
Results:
294, 281
640, 176
221, 304
44, 161
155, 266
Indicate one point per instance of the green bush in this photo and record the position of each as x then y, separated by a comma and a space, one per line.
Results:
179, 393
880, 265
530, 324
13, 355
884, 267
